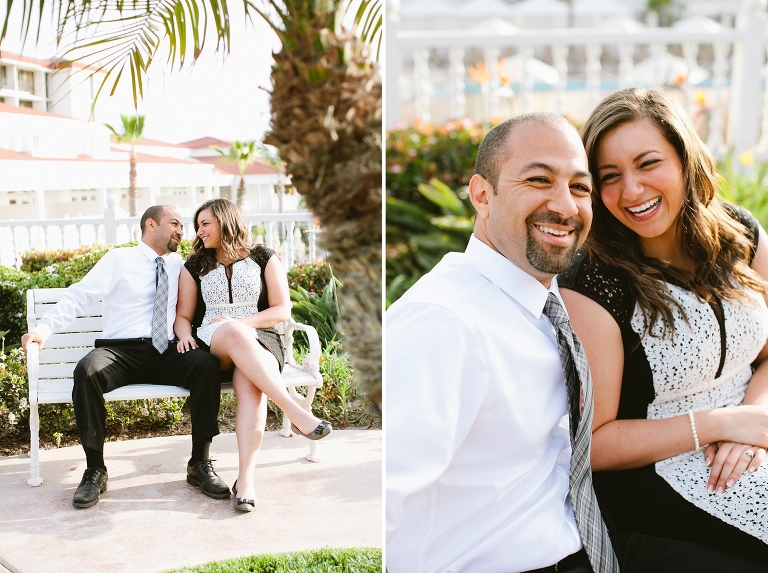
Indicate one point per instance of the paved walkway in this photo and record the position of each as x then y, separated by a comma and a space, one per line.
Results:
150, 520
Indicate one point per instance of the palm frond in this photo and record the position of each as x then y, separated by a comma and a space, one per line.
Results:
108, 36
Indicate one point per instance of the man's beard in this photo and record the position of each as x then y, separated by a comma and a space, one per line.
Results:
172, 246
551, 259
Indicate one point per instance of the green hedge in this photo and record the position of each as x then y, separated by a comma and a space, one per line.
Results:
423, 152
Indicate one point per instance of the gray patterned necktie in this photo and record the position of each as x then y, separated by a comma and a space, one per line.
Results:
160, 310
594, 534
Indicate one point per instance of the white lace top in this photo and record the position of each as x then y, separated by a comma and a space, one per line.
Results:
236, 297
684, 370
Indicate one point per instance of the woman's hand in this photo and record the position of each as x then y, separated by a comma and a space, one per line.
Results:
186, 343
729, 461
221, 318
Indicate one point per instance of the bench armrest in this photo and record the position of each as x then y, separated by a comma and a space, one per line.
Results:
311, 362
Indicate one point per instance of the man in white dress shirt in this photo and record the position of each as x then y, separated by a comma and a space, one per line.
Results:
139, 287
477, 439
477, 430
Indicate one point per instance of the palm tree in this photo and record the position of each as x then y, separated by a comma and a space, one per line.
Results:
243, 153
326, 116
133, 127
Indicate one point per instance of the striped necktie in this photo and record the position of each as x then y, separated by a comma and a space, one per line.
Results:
160, 310
594, 534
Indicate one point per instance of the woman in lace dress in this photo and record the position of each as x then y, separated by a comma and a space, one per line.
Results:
669, 302
231, 295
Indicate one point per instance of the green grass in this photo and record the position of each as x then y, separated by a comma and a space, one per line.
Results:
328, 560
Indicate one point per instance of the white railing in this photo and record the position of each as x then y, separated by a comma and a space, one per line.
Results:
431, 79
279, 231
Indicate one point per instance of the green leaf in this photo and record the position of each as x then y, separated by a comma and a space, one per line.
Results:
444, 197
453, 223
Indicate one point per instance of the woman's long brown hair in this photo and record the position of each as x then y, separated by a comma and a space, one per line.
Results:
709, 235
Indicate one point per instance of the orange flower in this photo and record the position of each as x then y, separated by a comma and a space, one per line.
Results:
479, 73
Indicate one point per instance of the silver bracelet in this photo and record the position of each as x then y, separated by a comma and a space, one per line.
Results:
693, 430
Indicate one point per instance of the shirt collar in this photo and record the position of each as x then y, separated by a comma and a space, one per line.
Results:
514, 281
149, 252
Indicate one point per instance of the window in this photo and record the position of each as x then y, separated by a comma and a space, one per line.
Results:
27, 81
3, 77
23, 103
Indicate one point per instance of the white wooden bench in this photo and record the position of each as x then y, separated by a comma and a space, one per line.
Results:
50, 370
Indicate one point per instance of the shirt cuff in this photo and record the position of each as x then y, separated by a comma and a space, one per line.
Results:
43, 329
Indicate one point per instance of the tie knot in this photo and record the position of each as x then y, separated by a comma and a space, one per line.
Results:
159, 261
555, 311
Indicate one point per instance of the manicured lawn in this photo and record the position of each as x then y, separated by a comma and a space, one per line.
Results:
328, 560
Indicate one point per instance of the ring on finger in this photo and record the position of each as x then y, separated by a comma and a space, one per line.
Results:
750, 453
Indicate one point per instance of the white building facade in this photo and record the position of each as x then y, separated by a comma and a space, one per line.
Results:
55, 162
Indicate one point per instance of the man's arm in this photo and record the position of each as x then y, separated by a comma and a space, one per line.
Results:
91, 289
434, 390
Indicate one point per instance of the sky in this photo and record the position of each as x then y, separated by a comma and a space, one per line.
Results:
218, 97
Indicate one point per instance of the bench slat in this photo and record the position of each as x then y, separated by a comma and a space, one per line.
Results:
48, 294
69, 340
49, 355
84, 324
94, 310
61, 393
61, 370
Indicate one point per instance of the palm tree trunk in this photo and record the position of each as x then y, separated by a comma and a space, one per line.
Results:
132, 184
241, 192
328, 133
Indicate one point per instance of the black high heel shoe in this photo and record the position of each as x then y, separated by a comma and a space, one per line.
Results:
243, 504
323, 429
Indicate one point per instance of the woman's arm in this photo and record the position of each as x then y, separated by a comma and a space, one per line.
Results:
185, 311
625, 444
757, 391
277, 295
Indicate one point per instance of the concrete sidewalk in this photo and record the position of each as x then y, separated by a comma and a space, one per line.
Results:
150, 520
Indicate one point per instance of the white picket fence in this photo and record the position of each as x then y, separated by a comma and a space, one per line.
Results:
429, 76
292, 235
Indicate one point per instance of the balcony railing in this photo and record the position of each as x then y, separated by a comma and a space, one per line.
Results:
449, 74
292, 235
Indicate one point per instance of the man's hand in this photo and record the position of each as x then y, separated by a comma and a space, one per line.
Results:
29, 338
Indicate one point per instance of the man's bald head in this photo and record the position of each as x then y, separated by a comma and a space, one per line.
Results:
494, 147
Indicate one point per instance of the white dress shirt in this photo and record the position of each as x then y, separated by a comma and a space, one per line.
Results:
477, 443
125, 280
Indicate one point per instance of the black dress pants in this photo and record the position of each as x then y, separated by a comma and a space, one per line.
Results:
119, 362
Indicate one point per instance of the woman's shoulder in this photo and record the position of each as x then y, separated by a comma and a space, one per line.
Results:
261, 254
606, 285
194, 265
750, 222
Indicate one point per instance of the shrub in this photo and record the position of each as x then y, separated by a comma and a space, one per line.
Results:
422, 152
745, 184
13, 304
33, 261
313, 294
313, 276
14, 405
417, 238
340, 400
